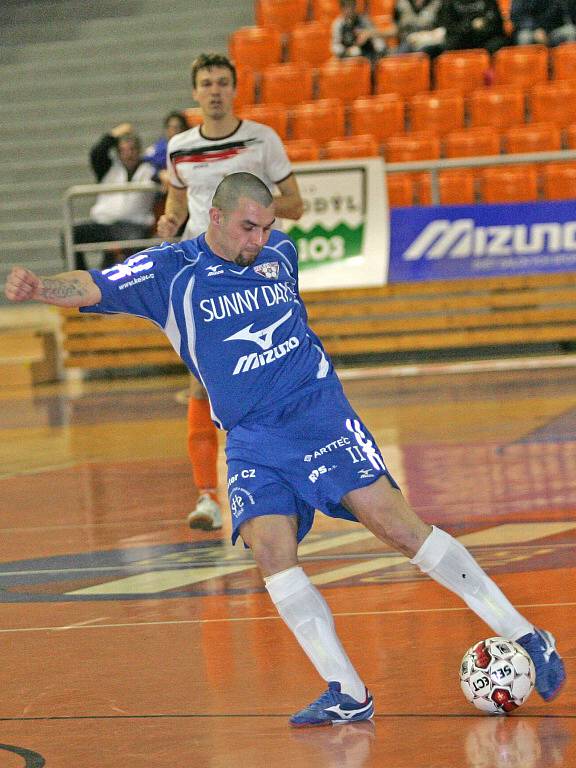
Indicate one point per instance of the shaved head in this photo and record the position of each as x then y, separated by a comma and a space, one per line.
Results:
237, 185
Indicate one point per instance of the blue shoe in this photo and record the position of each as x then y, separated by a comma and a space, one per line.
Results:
334, 707
550, 673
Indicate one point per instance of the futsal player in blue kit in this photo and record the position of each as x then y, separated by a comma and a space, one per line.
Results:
228, 301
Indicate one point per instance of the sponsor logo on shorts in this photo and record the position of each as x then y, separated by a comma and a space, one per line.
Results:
341, 442
319, 471
366, 445
364, 474
239, 498
245, 474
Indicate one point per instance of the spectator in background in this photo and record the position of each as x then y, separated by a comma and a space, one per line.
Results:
543, 21
417, 28
354, 34
473, 24
155, 154
116, 159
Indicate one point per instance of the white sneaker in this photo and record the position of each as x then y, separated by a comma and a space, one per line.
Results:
206, 515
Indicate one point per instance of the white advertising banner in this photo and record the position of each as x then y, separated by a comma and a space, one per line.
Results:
343, 236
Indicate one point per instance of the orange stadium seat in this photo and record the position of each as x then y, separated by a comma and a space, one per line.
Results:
382, 116
457, 186
327, 10
571, 137
559, 181
440, 111
497, 108
319, 120
310, 43
564, 61
412, 147
282, 14
464, 71
521, 65
407, 74
400, 190
535, 137
301, 150
472, 142
286, 84
351, 146
554, 102
274, 115
193, 116
245, 86
344, 79
256, 47
509, 184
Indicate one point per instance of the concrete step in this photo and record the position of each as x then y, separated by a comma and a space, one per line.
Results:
47, 230
92, 63
121, 84
123, 106
26, 210
53, 126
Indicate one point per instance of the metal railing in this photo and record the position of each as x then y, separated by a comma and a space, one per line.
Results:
431, 166
435, 166
90, 190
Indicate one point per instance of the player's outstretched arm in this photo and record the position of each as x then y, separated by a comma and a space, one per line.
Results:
68, 289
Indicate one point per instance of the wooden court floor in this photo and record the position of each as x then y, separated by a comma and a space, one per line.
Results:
129, 641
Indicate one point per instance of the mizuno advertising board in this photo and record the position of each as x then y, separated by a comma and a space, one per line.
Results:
343, 235
441, 243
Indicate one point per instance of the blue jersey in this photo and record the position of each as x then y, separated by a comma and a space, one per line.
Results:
242, 331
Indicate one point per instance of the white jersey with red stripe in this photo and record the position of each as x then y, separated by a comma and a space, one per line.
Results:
198, 165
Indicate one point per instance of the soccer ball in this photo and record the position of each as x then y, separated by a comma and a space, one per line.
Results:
497, 675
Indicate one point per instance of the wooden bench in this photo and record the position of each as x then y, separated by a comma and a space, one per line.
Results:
28, 356
400, 318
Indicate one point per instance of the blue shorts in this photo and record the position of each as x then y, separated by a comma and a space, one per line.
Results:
302, 456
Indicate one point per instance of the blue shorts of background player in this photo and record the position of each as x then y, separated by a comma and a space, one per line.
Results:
306, 454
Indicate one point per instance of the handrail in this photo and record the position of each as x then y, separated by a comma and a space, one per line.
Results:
432, 166
86, 190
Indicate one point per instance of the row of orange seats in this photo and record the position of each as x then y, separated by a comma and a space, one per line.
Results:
285, 14
496, 184
425, 145
439, 111
258, 47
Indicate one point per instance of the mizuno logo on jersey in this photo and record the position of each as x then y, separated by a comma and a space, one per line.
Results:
257, 360
263, 337
213, 270
271, 270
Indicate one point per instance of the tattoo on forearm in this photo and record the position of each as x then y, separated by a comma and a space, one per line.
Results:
62, 289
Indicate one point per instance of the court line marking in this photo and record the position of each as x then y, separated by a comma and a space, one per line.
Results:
162, 580
179, 622
272, 715
467, 366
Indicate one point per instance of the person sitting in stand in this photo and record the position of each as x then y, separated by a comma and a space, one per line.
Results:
548, 22
354, 34
116, 159
473, 24
417, 28
174, 123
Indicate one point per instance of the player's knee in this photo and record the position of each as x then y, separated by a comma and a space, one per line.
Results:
272, 539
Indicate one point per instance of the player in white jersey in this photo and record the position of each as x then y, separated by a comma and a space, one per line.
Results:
197, 161
229, 303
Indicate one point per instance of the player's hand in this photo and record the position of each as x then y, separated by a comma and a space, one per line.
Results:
167, 225
122, 130
22, 284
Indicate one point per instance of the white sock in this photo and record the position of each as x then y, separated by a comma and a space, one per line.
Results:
445, 560
307, 614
